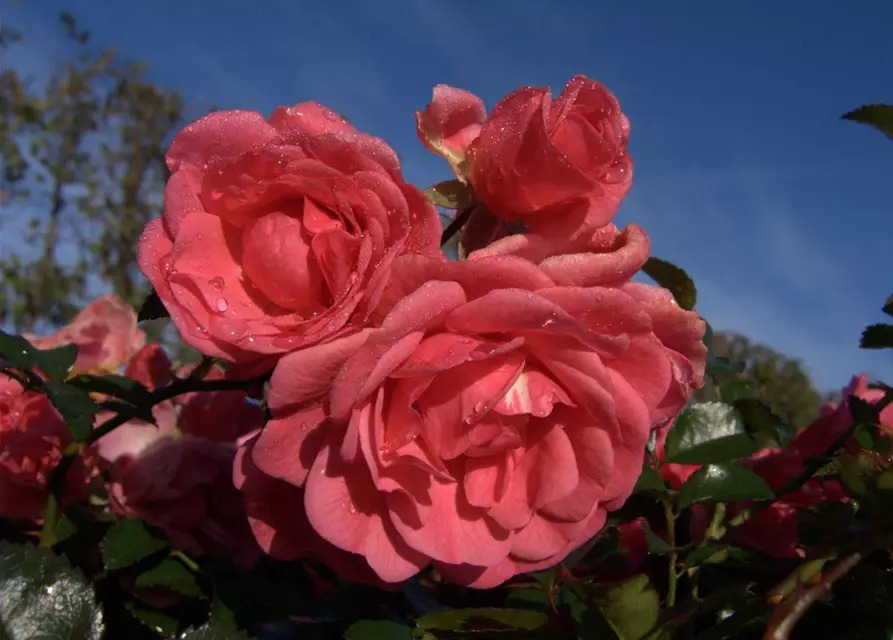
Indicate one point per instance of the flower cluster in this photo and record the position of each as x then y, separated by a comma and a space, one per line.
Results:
481, 415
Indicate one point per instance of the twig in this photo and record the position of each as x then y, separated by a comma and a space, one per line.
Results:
457, 223
790, 611
673, 558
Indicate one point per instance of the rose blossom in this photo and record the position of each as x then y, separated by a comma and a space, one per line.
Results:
105, 332
279, 233
534, 157
178, 476
487, 424
184, 487
450, 123
33, 438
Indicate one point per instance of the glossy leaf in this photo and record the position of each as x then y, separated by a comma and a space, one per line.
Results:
768, 428
480, 620
449, 194
377, 630
877, 336
55, 363
879, 116
171, 574
158, 621
673, 278
649, 480
709, 432
705, 555
212, 631
723, 482
631, 608
42, 596
152, 309
76, 407
128, 541
656, 544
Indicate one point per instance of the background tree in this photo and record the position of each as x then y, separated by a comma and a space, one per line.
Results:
83, 171
774, 378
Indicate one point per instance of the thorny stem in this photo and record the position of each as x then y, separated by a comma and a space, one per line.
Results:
789, 612
60, 473
673, 557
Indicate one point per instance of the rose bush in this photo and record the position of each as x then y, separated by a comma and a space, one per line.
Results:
33, 438
488, 424
279, 233
556, 165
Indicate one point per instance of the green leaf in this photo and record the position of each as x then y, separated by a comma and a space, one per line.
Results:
158, 621
450, 194
482, 619
649, 480
76, 406
43, 597
656, 544
879, 116
212, 631
377, 630
152, 309
128, 541
55, 363
707, 554
115, 386
171, 574
736, 390
709, 432
674, 278
65, 528
762, 421
632, 608
723, 482
877, 336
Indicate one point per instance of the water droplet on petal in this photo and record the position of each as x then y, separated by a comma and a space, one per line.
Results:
328, 114
351, 507
216, 283
222, 305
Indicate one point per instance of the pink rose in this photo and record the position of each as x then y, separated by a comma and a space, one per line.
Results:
33, 438
488, 424
556, 165
105, 332
450, 123
279, 233
183, 486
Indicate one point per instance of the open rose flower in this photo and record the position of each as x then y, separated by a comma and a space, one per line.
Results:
279, 233
556, 165
105, 332
33, 438
184, 487
488, 424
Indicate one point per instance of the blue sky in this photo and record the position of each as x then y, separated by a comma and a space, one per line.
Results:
744, 173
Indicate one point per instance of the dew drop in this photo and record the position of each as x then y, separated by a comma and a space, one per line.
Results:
222, 305
216, 283
328, 114
351, 507
305, 427
48, 590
